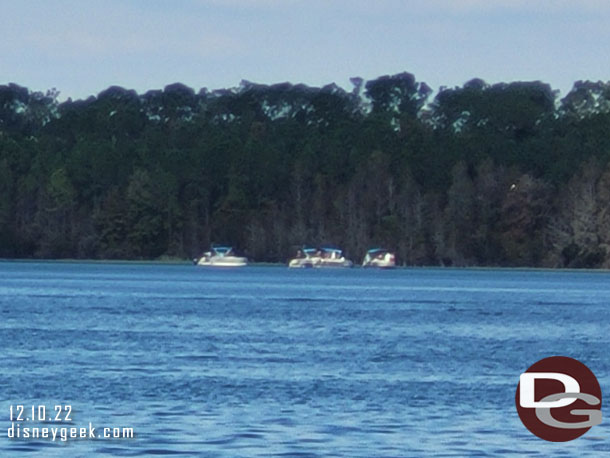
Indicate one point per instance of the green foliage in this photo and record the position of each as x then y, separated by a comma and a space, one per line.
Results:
470, 177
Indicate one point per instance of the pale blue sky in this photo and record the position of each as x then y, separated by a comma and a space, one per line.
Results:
81, 47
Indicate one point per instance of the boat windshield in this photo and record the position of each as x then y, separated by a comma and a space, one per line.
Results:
332, 250
222, 250
309, 251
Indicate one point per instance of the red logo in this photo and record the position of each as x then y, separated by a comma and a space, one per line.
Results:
559, 399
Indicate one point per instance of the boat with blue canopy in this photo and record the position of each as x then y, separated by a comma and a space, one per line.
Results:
221, 256
325, 256
379, 257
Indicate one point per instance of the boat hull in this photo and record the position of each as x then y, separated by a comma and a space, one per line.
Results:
335, 263
301, 263
315, 262
223, 261
380, 264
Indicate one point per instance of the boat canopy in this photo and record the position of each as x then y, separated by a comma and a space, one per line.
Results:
331, 249
328, 250
377, 251
222, 250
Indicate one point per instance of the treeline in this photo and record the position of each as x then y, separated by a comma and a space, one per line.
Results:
503, 174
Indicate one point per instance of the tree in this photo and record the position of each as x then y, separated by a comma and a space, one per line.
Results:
524, 216
460, 216
146, 234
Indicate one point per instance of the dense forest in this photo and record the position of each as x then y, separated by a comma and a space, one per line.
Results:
501, 175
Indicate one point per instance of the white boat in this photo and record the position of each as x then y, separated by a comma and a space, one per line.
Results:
305, 258
321, 257
221, 256
379, 257
333, 257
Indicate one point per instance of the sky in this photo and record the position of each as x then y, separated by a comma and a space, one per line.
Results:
81, 47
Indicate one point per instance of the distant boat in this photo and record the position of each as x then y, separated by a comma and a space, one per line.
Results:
221, 256
333, 257
379, 257
305, 258
320, 257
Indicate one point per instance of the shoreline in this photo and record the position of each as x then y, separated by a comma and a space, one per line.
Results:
184, 262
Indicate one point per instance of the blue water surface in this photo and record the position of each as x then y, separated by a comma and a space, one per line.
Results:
268, 361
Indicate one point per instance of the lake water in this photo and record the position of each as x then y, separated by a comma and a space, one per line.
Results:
267, 361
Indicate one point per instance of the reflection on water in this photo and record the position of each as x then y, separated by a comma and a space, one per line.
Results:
276, 362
